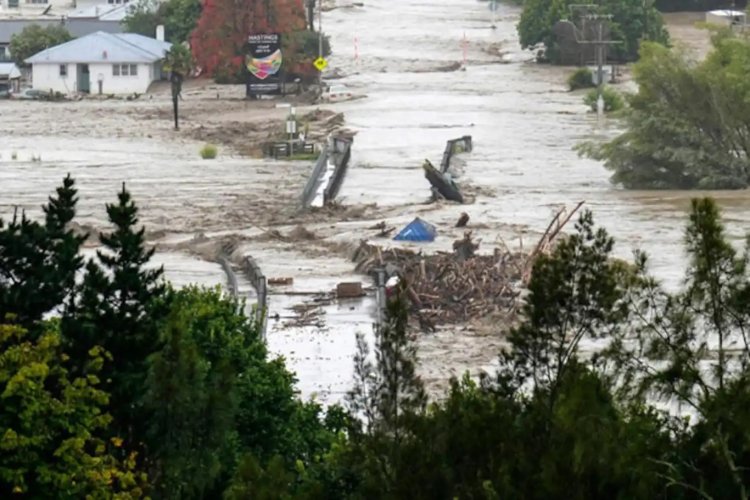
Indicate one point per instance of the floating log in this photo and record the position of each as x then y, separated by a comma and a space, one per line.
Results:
280, 281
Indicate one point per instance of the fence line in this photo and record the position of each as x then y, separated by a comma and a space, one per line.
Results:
259, 282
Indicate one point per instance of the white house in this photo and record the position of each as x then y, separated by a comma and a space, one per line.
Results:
103, 63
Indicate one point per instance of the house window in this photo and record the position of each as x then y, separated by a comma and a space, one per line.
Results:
37, 1
124, 70
63, 70
12, 4
118, 2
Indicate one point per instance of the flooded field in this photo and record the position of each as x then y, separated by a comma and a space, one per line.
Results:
523, 122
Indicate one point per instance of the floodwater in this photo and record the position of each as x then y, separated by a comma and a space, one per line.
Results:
523, 121
523, 168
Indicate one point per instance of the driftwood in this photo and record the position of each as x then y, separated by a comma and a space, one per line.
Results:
466, 247
463, 220
384, 230
444, 288
561, 218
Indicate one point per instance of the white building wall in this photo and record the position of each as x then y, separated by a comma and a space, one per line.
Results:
119, 84
47, 77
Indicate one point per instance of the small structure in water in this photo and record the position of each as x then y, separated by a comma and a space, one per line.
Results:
442, 183
417, 230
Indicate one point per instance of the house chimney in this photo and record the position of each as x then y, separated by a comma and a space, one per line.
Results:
160, 32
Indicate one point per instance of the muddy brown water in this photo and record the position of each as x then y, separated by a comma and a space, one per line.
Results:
523, 168
523, 120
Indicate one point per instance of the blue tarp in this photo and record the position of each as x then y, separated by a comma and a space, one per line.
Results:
417, 230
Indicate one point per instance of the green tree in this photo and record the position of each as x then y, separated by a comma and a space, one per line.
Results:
213, 396
613, 101
388, 394
34, 39
143, 17
687, 127
179, 18
120, 305
191, 394
54, 425
39, 262
632, 21
691, 349
576, 293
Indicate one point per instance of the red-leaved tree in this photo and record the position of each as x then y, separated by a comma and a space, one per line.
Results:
218, 41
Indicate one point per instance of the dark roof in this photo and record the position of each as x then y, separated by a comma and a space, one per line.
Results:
77, 27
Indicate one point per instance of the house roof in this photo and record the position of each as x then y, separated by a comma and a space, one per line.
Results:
104, 47
77, 26
9, 70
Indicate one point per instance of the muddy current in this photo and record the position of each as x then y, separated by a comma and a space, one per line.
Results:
402, 57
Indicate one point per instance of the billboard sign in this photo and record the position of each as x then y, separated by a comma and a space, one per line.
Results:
263, 63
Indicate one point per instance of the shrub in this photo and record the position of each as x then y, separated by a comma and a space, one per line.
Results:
582, 78
209, 152
613, 101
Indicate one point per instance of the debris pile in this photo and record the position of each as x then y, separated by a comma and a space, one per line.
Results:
456, 287
451, 287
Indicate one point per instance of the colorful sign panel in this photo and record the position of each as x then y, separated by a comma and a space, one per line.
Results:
263, 63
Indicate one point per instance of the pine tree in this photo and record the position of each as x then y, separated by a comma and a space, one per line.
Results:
389, 394
65, 257
39, 262
119, 307
575, 293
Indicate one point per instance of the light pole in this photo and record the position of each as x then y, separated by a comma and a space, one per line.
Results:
320, 41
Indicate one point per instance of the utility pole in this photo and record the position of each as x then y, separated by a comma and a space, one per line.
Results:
599, 44
600, 67
320, 41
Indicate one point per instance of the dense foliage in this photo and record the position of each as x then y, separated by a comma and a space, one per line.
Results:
133, 379
687, 126
610, 387
179, 18
582, 78
632, 21
53, 424
613, 101
34, 39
